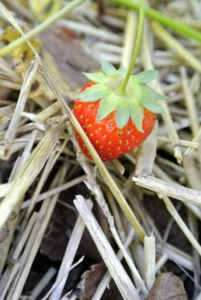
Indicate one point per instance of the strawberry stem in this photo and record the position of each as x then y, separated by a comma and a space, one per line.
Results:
153, 14
122, 88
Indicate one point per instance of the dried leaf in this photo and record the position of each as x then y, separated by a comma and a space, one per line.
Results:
90, 281
66, 58
167, 286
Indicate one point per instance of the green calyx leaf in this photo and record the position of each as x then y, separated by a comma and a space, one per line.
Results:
146, 76
108, 69
122, 70
152, 106
107, 105
149, 93
122, 114
98, 77
94, 93
137, 115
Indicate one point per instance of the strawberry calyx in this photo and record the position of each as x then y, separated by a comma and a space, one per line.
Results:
129, 103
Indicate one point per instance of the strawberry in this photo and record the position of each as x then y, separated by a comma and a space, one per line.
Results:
116, 121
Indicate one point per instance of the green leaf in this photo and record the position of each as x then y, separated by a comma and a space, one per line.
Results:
108, 69
98, 77
95, 92
107, 105
149, 93
122, 114
122, 70
152, 106
137, 114
146, 76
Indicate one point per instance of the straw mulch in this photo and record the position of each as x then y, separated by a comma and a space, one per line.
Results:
76, 229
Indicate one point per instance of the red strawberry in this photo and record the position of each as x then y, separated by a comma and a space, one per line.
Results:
116, 123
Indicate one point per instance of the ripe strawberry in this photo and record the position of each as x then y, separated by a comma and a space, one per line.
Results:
116, 123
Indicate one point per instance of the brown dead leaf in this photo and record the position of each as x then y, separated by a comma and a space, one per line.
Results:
66, 58
90, 281
167, 286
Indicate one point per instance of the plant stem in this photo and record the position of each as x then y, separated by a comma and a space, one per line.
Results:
122, 88
163, 19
